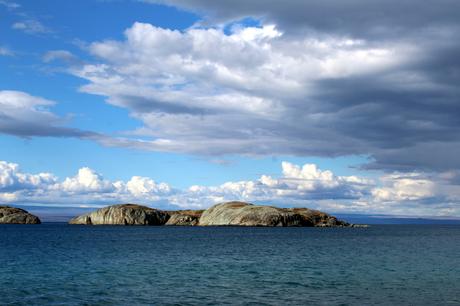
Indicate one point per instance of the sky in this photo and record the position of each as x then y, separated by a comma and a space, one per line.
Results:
349, 107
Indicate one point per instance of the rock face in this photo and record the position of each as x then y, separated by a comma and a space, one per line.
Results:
245, 214
12, 215
123, 214
184, 217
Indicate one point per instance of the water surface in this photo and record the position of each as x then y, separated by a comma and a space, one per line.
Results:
58, 264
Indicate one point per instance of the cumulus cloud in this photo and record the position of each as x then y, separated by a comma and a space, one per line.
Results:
401, 187
417, 194
25, 115
143, 186
87, 180
87, 186
297, 184
11, 179
296, 187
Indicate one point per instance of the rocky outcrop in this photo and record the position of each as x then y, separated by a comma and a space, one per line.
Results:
246, 214
13, 215
184, 217
123, 214
224, 214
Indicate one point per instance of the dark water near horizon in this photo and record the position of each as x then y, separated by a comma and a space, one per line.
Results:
58, 264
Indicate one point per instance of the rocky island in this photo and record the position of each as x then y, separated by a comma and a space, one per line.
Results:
13, 215
223, 214
123, 214
245, 214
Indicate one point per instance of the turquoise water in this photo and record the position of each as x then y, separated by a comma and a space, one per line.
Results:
58, 264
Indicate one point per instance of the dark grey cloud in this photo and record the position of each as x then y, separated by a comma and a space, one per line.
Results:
150, 105
11, 126
425, 156
370, 19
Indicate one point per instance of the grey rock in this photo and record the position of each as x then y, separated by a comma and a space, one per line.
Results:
13, 215
184, 217
123, 214
246, 214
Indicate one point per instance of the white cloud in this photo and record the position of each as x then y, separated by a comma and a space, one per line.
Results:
144, 186
22, 106
62, 55
6, 197
87, 180
402, 187
11, 179
31, 26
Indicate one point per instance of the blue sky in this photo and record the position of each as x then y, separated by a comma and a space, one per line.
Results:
224, 101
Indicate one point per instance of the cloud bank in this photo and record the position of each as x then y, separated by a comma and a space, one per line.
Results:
416, 194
